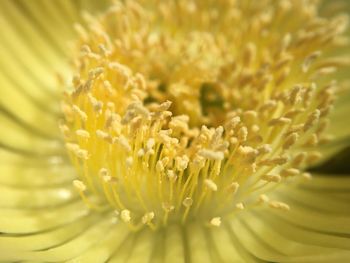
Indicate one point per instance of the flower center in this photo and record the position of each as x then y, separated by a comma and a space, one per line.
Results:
194, 110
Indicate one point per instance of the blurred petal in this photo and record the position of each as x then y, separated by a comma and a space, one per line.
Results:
34, 49
314, 230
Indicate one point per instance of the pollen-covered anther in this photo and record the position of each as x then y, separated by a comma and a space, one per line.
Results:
215, 221
167, 207
141, 153
312, 119
96, 105
64, 130
103, 135
94, 73
242, 134
290, 140
147, 218
276, 178
312, 141
83, 116
275, 161
125, 216
211, 155
72, 147
171, 175
129, 161
279, 205
77, 151
306, 176
280, 121
248, 154
122, 141
233, 187
103, 172
309, 60
187, 202
290, 172
83, 133
299, 158
263, 199
107, 178
79, 185
211, 185
313, 157
264, 149
150, 143
240, 206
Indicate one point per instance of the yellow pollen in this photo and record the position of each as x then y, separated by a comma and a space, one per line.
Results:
125, 216
240, 206
79, 185
211, 185
263, 198
279, 205
174, 115
216, 221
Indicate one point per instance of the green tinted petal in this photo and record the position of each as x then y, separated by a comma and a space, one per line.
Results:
198, 246
69, 249
106, 247
34, 48
174, 246
225, 247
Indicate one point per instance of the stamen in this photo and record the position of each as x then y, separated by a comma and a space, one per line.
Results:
216, 221
125, 216
279, 205
163, 137
211, 185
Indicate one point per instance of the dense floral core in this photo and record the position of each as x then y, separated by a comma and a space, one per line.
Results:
195, 110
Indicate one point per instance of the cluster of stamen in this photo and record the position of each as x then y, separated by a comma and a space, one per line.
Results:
171, 120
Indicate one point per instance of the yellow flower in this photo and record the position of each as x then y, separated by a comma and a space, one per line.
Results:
173, 131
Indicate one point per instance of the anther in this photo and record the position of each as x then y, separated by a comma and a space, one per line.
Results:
240, 206
125, 215
299, 158
279, 205
81, 113
211, 185
147, 218
233, 187
83, 133
211, 155
276, 178
129, 161
306, 176
279, 121
290, 140
187, 202
312, 119
309, 60
79, 185
263, 199
275, 161
82, 154
216, 221
264, 149
123, 142
290, 172
94, 73
243, 134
